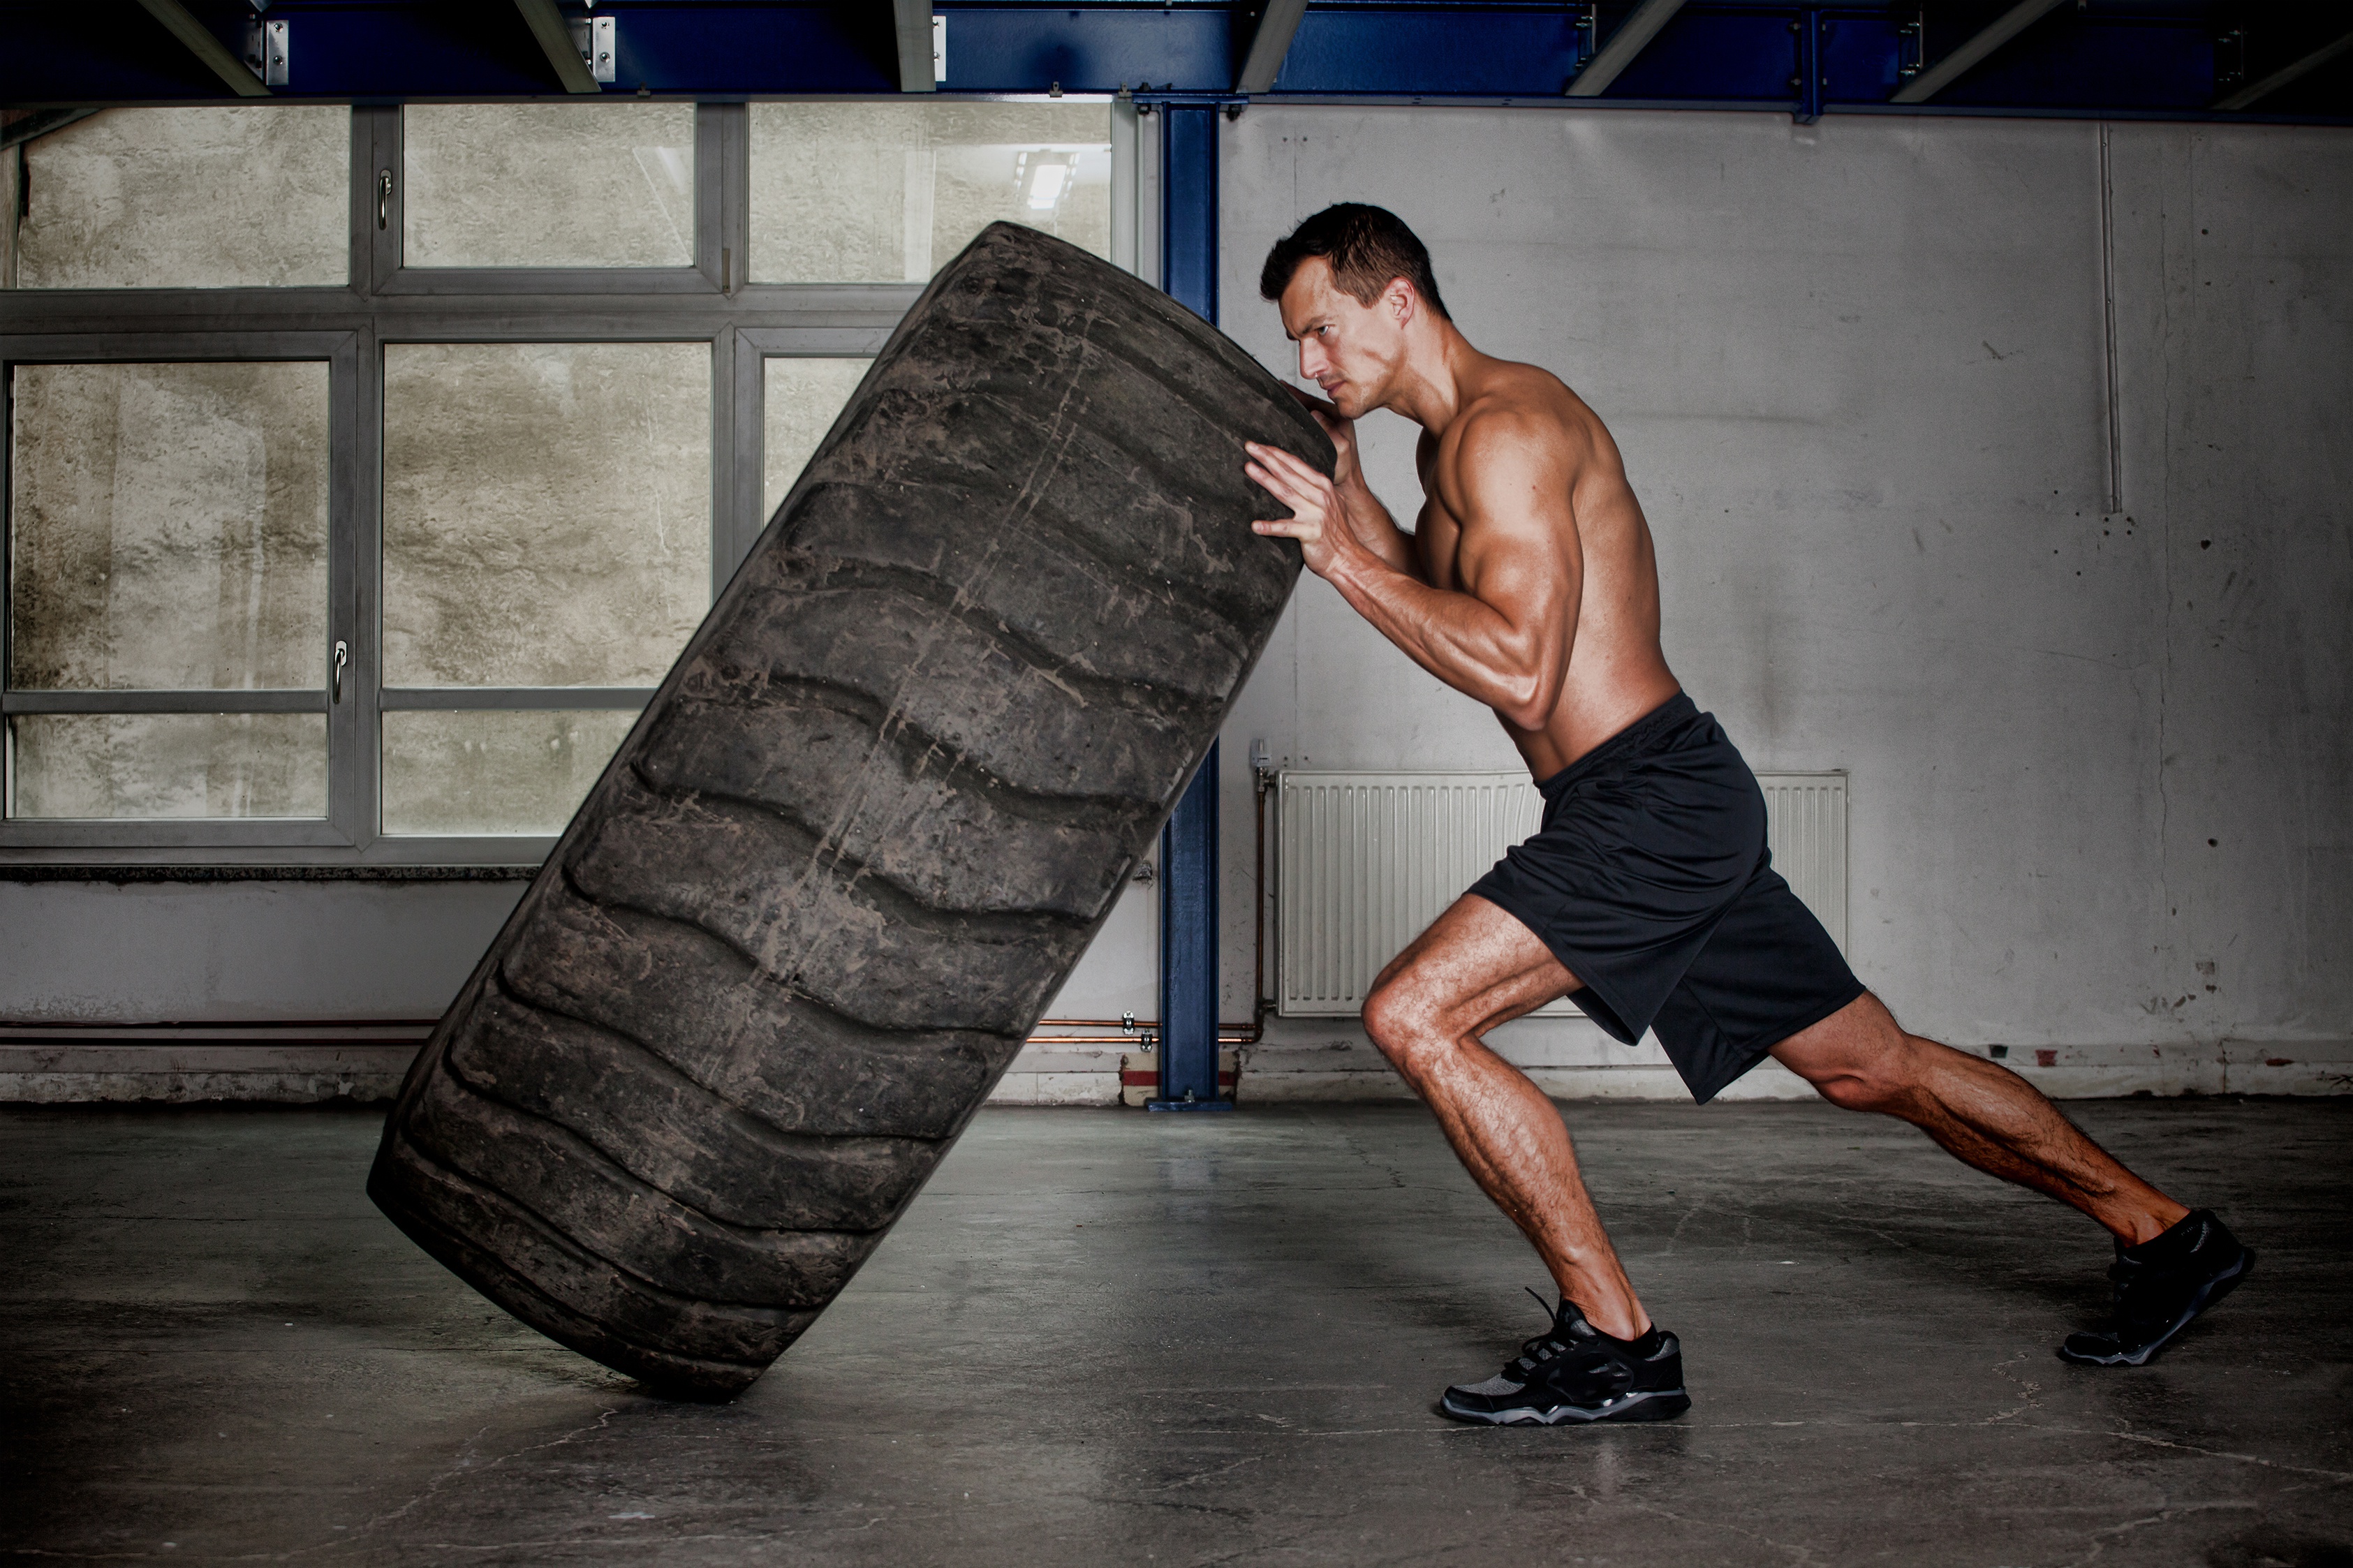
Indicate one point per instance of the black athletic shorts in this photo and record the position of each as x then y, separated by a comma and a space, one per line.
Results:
1650, 882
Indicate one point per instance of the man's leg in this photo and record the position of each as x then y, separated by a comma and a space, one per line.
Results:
1477, 967
1984, 1113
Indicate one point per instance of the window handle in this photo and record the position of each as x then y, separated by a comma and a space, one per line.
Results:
343, 657
383, 198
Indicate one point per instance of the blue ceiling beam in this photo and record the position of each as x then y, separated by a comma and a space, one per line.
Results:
2140, 57
1015, 49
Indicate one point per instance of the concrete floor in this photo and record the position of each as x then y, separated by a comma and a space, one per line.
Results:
1106, 1337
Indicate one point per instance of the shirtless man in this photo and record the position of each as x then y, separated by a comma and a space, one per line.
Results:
1648, 898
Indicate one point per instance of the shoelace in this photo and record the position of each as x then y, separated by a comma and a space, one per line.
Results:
1543, 1347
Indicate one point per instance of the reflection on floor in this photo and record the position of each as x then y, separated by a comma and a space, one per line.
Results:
1104, 1337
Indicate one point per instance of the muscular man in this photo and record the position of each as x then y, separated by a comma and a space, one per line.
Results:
1648, 897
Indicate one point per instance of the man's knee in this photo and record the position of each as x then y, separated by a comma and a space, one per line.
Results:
1388, 1016
1402, 1021
1859, 1088
1858, 1059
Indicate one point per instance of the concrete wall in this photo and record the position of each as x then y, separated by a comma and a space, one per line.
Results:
251, 989
2101, 756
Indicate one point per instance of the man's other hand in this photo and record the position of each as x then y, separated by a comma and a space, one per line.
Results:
1317, 520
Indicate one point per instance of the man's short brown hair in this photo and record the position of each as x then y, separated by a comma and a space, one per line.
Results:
1366, 247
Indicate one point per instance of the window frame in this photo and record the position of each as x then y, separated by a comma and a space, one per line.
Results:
385, 301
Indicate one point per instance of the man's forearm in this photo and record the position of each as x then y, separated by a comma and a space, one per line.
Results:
1457, 637
1375, 529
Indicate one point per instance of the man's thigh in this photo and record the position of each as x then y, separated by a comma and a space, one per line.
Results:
1475, 968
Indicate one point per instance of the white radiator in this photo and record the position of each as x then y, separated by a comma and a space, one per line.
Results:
1365, 861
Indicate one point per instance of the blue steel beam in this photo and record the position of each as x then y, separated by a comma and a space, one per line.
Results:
2145, 56
1189, 845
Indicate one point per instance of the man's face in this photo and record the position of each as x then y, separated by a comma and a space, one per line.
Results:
1350, 350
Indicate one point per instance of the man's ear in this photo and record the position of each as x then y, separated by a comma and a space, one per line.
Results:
1401, 300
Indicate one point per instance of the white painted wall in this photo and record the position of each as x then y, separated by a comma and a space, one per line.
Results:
241, 951
1859, 373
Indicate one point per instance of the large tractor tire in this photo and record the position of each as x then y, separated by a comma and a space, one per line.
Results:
863, 831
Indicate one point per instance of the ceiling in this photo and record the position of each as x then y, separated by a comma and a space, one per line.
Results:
2165, 58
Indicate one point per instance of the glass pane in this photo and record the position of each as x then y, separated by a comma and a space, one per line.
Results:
493, 772
548, 184
886, 192
188, 198
168, 527
167, 764
802, 398
546, 511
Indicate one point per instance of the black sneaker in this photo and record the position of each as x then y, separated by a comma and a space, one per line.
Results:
2161, 1284
1574, 1371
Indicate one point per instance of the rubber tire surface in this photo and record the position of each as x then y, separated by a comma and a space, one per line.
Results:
864, 830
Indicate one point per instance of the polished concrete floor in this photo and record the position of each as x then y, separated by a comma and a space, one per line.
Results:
1103, 1337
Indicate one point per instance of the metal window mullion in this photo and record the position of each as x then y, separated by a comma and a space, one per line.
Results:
512, 698
359, 811
156, 345
505, 284
544, 297
735, 190
104, 701
718, 253
268, 837
723, 512
343, 376
366, 132
383, 135
747, 486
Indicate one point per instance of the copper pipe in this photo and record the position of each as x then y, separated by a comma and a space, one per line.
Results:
1140, 1041
1248, 1034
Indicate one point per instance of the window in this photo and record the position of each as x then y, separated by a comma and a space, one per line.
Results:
802, 397
548, 184
546, 538
184, 198
168, 549
864, 193
377, 559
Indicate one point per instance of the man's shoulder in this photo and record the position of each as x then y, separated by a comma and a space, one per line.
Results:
1521, 415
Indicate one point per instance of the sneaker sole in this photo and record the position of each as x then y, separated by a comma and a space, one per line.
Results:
1658, 1404
2208, 1295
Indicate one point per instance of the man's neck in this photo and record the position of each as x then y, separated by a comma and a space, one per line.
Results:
1434, 380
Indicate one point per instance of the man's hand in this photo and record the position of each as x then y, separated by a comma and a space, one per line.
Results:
1318, 520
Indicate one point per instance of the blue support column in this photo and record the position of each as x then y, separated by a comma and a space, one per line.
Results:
1189, 845
1188, 948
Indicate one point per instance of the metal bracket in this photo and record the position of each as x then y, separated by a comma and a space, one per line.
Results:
267, 46
1807, 85
2230, 59
1588, 36
1912, 47
595, 37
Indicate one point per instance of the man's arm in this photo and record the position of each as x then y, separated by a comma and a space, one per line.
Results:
1505, 639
